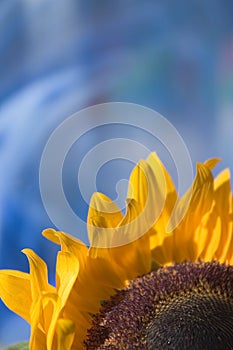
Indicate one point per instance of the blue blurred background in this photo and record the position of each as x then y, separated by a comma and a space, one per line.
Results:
57, 57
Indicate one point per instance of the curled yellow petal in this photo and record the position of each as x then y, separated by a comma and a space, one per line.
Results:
103, 218
38, 274
68, 243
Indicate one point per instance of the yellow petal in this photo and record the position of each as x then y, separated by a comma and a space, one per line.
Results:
15, 292
136, 253
147, 187
68, 243
101, 205
164, 254
134, 249
201, 236
212, 242
211, 163
38, 335
51, 306
129, 238
229, 256
161, 226
38, 274
67, 272
38, 341
87, 292
202, 194
222, 192
44, 315
146, 199
103, 217
162, 175
200, 199
65, 334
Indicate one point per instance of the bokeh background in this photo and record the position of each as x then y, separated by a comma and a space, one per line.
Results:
57, 57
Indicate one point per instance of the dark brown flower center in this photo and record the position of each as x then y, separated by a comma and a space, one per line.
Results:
182, 307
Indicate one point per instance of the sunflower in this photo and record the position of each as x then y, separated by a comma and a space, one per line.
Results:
159, 276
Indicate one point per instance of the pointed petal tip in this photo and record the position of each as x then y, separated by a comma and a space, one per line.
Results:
52, 235
28, 252
212, 162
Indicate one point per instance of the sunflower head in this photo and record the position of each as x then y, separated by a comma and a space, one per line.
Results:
159, 276
184, 306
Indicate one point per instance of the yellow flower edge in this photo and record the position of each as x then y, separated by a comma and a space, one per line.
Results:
60, 316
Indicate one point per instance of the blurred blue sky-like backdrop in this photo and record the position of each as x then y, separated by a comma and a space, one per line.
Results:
59, 57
